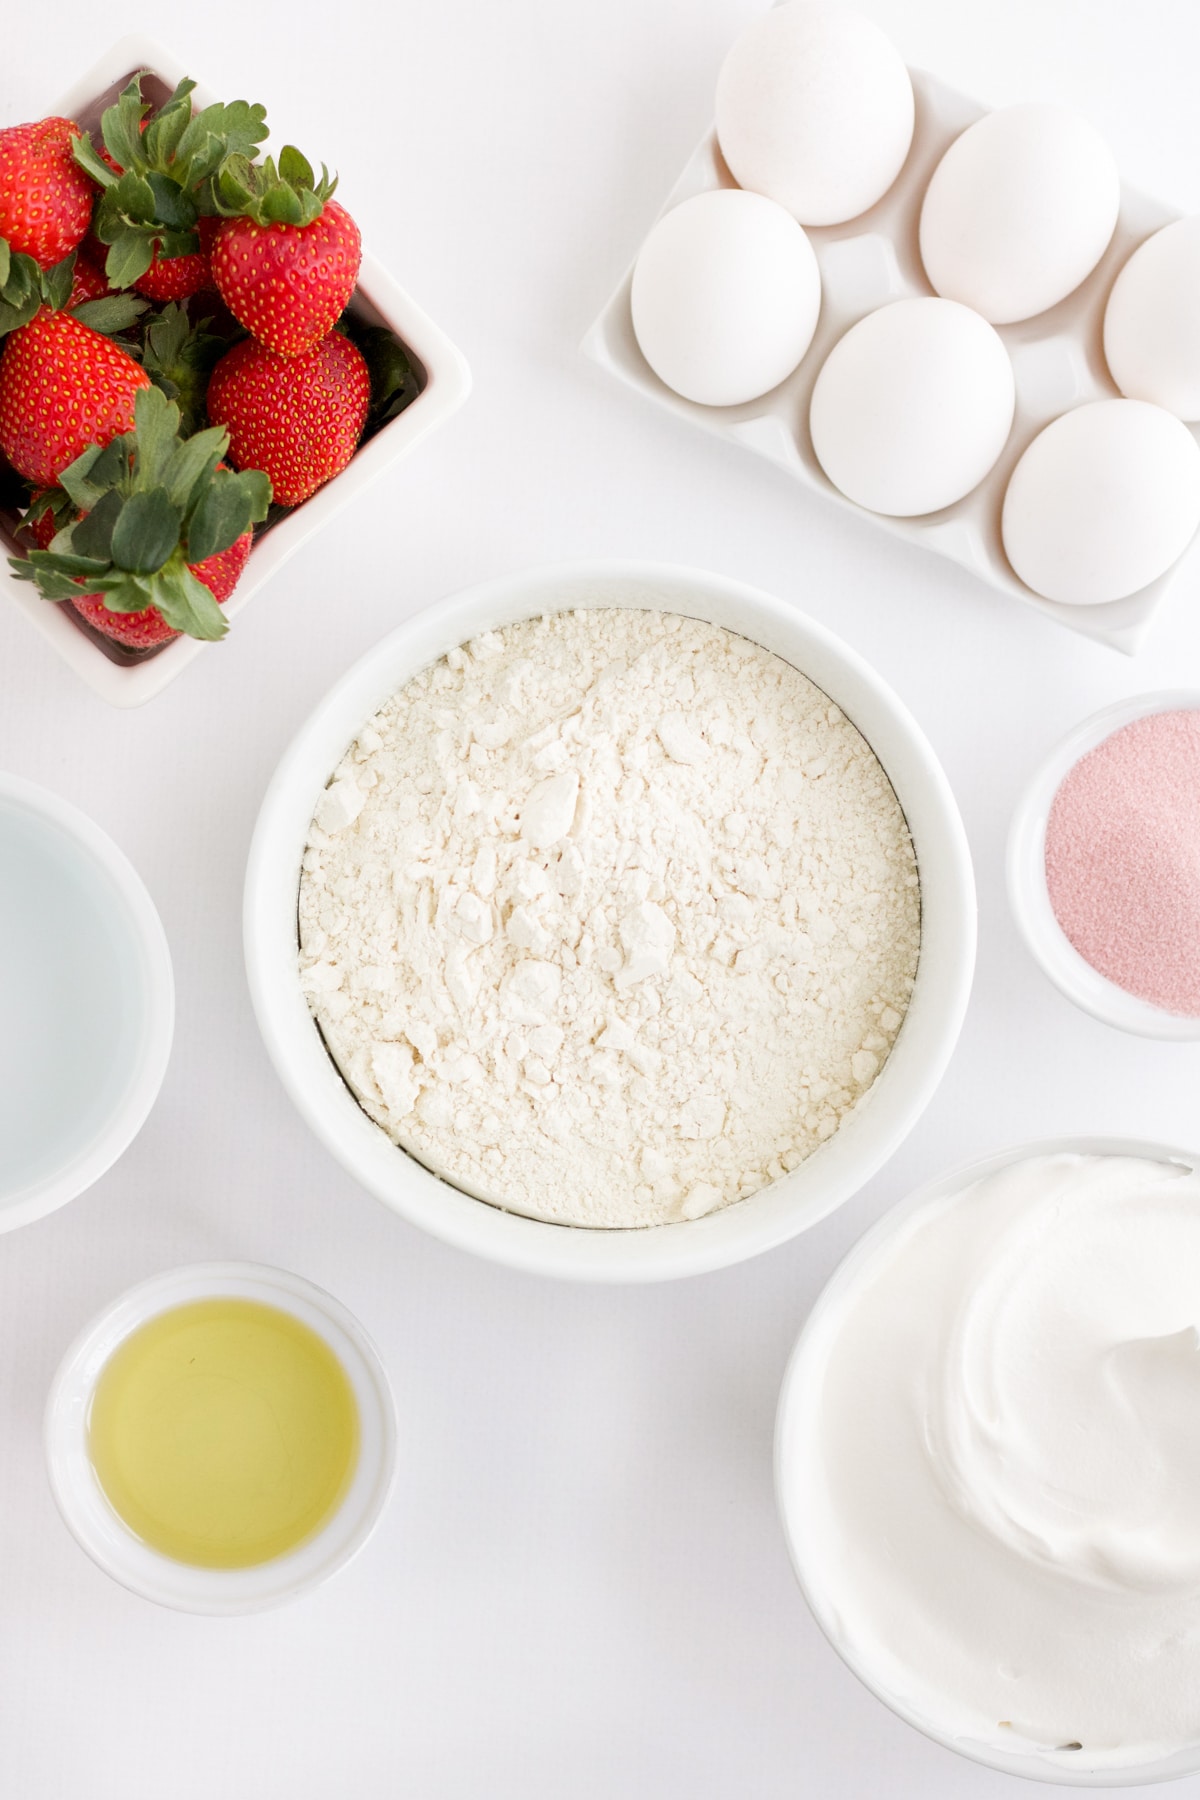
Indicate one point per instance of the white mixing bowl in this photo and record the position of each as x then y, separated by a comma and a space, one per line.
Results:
782, 1209
87, 1000
795, 1454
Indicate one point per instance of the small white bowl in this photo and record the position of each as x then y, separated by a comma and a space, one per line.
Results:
1029, 899
784, 1208
87, 999
794, 1429
109, 1541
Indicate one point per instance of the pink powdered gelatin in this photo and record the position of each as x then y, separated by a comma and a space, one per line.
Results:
1123, 859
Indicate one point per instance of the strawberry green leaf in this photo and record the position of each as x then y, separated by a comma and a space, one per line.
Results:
172, 206
287, 195
179, 154
167, 334
57, 282
187, 604
178, 243
124, 593
93, 473
235, 184
125, 117
295, 168
93, 535
161, 138
194, 147
180, 359
24, 277
5, 262
20, 293
49, 583
282, 206
192, 463
256, 485
227, 509
156, 423
120, 125
134, 197
75, 478
242, 126
148, 529
395, 382
13, 317
129, 258
90, 163
111, 313
65, 562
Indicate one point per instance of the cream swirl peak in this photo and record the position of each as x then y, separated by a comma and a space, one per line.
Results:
999, 1473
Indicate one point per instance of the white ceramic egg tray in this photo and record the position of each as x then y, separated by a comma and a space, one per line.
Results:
1057, 358
129, 679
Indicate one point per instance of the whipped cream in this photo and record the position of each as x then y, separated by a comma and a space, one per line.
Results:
993, 1478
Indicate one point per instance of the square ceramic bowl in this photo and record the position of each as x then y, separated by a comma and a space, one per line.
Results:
778, 1211
129, 678
1057, 358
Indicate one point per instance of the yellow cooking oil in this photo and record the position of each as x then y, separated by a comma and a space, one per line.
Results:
224, 1432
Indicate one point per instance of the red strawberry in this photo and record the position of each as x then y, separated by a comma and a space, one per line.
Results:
156, 169
288, 284
179, 277
172, 277
45, 197
162, 525
63, 386
87, 283
143, 630
299, 418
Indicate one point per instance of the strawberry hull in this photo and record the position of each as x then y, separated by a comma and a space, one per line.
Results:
131, 677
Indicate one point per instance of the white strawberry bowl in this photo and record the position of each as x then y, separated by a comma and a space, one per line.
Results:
126, 678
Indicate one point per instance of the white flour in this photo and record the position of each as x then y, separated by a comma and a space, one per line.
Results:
610, 917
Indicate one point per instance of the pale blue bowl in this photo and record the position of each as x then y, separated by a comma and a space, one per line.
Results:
87, 1002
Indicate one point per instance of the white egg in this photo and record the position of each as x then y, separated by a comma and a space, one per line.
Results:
726, 293
1152, 321
912, 407
1019, 211
1103, 502
815, 109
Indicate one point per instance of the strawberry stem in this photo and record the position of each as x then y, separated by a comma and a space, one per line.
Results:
158, 179
289, 194
151, 504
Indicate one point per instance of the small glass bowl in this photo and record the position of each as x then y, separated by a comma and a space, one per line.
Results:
1029, 897
109, 1541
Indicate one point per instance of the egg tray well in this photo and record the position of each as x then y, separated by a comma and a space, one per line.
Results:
128, 678
1057, 358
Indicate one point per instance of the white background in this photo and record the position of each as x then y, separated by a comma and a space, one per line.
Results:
579, 1587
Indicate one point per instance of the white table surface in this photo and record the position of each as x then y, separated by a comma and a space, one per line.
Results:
579, 1587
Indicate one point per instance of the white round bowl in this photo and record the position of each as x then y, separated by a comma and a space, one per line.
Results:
784, 1208
87, 998
109, 1541
1029, 898
794, 1447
